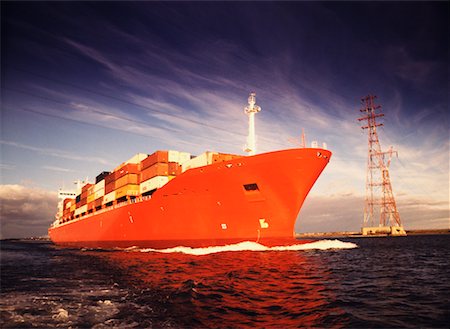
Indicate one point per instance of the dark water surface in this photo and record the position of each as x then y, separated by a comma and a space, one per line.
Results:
378, 282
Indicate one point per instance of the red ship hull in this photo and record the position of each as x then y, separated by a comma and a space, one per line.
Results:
254, 198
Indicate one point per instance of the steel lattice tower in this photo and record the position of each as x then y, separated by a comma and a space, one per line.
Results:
377, 171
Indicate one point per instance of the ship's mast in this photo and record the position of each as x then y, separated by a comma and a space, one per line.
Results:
251, 110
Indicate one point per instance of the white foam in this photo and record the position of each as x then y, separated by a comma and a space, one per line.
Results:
254, 246
61, 314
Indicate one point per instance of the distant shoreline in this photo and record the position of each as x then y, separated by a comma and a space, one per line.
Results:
348, 234
343, 234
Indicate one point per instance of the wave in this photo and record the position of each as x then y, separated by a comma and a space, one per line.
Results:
254, 246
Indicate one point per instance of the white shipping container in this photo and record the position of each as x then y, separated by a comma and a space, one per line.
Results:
173, 156
137, 158
109, 197
184, 157
100, 185
99, 193
80, 210
203, 159
152, 183
178, 157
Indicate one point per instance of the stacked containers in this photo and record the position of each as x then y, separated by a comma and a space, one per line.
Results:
127, 181
90, 199
142, 174
160, 167
208, 158
82, 204
68, 205
110, 185
99, 189
154, 172
203, 159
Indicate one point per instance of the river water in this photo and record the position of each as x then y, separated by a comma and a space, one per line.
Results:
351, 283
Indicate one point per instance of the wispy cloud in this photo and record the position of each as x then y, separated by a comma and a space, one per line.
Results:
59, 169
55, 152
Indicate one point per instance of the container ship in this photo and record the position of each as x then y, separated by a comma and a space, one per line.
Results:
171, 198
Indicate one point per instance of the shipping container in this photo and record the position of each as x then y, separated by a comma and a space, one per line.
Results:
90, 207
90, 198
156, 157
100, 193
153, 183
127, 190
174, 168
86, 187
136, 159
184, 157
127, 179
84, 194
68, 203
110, 178
98, 203
203, 159
90, 190
158, 169
110, 197
80, 211
100, 177
173, 156
100, 185
83, 201
130, 168
221, 157
178, 157
110, 187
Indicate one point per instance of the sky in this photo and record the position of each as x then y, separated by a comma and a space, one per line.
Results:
86, 85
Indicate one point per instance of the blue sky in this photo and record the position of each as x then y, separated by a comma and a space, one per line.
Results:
87, 85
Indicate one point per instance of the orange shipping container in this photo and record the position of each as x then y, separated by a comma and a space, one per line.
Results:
110, 178
174, 169
130, 168
158, 169
127, 190
99, 202
221, 157
68, 202
91, 206
85, 187
127, 179
158, 156
110, 187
